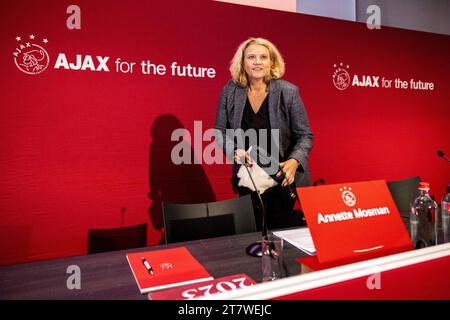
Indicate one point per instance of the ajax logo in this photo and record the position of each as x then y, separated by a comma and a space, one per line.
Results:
166, 266
341, 77
29, 56
348, 197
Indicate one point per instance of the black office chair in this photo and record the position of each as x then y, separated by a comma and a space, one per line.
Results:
404, 192
185, 222
103, 240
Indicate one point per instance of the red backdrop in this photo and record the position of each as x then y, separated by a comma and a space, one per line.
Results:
87, 149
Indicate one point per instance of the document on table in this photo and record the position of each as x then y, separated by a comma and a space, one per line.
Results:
300, 238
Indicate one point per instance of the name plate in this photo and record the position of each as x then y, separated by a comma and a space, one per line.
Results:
353, 221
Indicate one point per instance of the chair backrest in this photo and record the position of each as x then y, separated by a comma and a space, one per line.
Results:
103, 240
184, 222
404, 192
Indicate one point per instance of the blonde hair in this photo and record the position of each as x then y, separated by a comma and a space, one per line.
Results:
237, 70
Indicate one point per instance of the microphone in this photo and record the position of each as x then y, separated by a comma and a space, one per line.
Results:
442, 155
280, 179
259, 152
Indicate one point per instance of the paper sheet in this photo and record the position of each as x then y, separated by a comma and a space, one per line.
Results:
300, 238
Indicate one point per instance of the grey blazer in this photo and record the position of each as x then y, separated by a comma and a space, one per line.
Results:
286, 113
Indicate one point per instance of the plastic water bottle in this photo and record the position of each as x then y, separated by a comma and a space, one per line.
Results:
443, 226
422, 218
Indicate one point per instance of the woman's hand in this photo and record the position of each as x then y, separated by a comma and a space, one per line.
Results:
289, 167
240, 154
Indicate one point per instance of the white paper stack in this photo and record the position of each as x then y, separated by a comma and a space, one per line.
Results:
300, 238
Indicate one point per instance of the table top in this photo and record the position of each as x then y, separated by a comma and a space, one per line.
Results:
108, 275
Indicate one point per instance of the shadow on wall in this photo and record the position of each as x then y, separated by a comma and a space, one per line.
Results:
168, 182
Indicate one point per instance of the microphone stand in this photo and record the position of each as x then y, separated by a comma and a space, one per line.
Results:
255, 249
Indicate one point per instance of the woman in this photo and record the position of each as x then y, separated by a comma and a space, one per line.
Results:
256, 98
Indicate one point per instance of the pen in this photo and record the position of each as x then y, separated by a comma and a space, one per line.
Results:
147, 266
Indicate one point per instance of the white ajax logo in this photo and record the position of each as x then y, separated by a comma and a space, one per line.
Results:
341, 77
166, 266
30, 57
348, 196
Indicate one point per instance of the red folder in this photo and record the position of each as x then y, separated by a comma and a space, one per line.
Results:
171, 268
352, 222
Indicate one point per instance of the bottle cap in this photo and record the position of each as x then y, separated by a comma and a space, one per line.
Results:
424, 185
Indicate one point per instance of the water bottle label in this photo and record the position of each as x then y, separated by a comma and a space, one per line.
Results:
446, 207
